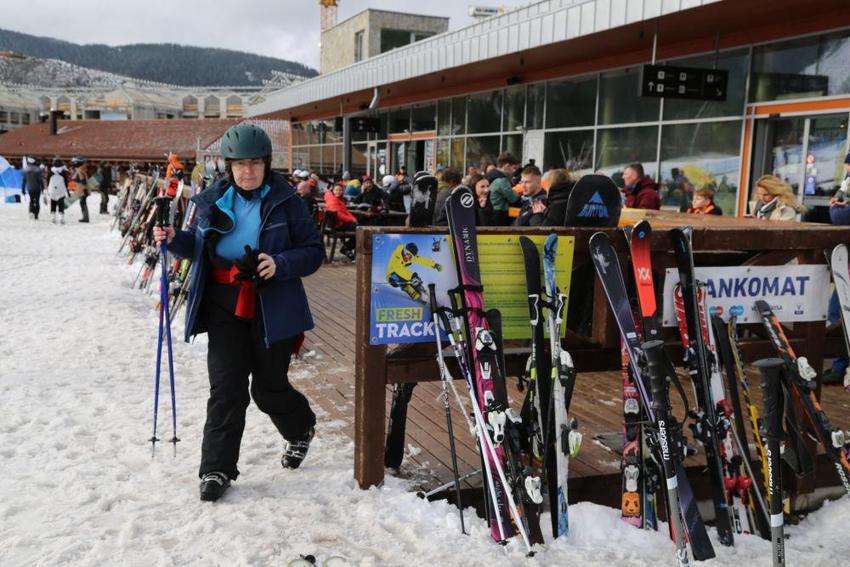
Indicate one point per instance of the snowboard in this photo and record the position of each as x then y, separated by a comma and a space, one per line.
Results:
594, 201
423, 198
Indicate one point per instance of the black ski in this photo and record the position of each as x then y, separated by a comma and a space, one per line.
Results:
706, 428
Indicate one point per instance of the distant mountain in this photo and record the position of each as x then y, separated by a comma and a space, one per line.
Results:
163, 63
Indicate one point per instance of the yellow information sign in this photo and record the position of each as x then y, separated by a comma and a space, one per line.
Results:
503, 278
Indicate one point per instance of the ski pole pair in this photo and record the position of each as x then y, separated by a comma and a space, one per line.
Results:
162, 220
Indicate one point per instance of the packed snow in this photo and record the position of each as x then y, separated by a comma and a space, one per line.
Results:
80, 486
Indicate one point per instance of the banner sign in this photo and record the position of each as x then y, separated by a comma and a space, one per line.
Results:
403, 265
796, 293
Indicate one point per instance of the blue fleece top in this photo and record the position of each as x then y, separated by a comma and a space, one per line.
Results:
245, 214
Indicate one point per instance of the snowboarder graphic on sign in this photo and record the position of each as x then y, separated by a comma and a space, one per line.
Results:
401, 276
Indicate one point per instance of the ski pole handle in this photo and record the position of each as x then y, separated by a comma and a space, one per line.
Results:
771, 385
653, 352
163, 208
771, 372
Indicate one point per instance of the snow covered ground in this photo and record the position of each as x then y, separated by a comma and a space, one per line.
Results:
79, 486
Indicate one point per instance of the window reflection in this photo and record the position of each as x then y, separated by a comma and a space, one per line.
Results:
618, 147
696, 156
571, 150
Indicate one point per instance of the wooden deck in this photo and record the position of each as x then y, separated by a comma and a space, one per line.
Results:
597, 402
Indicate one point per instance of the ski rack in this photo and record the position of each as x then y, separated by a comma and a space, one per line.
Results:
738, 241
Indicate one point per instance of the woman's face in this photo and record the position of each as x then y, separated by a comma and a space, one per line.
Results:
338, 190
762, 195
482, 188
248, 173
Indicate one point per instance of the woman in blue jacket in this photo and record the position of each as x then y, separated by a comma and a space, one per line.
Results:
252, 242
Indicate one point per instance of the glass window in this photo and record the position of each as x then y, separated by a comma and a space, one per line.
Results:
358, 46
424, 117
512, 143
390, 39
399, 120
534, 108
737, 65
802, 68
459, 115
485, 112
315, 158
619, 101
480, 149
694, 156
443, 153
572, 150
457, 153
618, 147
514, 109
571, 103
444, 116
358, 160
421, 35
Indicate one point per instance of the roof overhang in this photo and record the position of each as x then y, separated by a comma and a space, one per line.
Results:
546, 40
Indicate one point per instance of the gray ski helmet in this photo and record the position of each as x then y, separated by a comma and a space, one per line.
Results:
245, 141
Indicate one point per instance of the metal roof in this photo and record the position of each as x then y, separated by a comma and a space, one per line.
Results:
535, 25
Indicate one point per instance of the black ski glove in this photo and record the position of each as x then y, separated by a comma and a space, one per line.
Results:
247, 266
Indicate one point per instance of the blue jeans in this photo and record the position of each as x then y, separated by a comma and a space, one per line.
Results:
839, 215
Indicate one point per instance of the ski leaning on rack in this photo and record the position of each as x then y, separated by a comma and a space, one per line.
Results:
515, 499
707, 427
634, 417
567, 439
838, 263
799, 381
535, 409
745, 485
608, 269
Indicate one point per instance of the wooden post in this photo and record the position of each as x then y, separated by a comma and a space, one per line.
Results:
370, 380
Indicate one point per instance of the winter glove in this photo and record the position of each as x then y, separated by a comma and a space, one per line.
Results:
247, 266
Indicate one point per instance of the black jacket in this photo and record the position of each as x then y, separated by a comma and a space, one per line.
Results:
440, 216
33, 180
526, 216
557, 204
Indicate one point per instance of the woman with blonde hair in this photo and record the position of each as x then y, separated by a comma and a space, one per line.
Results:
775, 200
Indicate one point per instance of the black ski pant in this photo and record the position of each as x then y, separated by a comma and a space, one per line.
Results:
236, 350
104, 201
35, 205
84, 208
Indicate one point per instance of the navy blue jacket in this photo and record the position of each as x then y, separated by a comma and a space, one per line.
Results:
287, 234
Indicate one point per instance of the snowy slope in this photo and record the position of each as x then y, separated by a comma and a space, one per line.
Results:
80, 487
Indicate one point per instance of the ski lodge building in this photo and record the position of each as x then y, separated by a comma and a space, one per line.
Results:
559, 82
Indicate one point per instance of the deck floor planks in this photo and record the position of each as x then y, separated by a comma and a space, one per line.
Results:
597, 401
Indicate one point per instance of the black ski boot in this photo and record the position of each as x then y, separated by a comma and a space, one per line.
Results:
295, 450
213, 485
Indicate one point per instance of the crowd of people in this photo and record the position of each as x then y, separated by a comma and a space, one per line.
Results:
56, 184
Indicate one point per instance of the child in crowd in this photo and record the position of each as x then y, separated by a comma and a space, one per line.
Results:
703, 203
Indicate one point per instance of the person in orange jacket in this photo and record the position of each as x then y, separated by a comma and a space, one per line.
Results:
335, 202
703, 203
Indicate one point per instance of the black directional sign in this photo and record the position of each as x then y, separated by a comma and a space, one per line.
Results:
684, 82
365, 124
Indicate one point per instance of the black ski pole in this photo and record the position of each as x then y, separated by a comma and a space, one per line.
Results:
771, 375
445, 377
666, 425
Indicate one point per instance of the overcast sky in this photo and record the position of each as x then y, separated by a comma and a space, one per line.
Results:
287, 29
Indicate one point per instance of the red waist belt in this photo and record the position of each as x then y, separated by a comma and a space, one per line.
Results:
246, 303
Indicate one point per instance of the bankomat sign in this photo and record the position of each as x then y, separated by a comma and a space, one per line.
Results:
797, 293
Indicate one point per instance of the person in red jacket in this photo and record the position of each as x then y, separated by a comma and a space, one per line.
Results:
335, 202
640, 189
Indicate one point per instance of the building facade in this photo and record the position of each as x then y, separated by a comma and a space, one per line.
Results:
372, 32
558, 82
